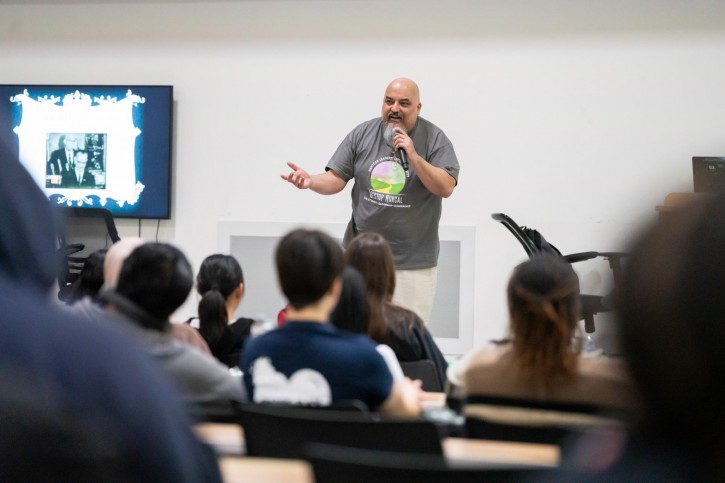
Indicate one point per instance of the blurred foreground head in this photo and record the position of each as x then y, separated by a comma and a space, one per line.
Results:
672, 326
27, 238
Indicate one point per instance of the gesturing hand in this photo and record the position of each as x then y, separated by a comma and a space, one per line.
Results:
298, 177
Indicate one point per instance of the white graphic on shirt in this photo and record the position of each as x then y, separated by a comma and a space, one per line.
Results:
305, 386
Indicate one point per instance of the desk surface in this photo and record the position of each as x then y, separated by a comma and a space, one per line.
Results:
238, 469
228, 440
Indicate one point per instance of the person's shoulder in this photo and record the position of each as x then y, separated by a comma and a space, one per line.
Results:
488, 355
370, 123
433, 131
365, 127
604, 367
242, 324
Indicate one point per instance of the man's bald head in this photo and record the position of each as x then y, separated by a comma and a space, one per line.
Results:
401, 103
115, 257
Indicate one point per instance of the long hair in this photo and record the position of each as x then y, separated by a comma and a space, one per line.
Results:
544, 306
353, 310
218, 277
370, 254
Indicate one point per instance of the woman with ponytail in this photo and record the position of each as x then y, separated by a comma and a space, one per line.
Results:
220, 284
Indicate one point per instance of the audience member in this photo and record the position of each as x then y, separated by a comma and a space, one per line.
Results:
352, 313
672, 324
390, 324
220, 283
308, 360
155, 280
84, 290
542, 359
90, 375
115, 257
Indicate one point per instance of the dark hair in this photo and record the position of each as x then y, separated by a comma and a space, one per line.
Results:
219, 276
157, 278
371, 255
90, 278
352, 311
308, 262
672, 328
543, 298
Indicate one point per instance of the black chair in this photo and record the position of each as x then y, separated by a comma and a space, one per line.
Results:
533, 421
80, 232
282, 431
424, 370
351, 465
534, 244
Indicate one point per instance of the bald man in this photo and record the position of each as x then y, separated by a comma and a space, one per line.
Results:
403, 166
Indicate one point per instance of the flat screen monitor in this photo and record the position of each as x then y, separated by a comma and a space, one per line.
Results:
708, 173
94, 146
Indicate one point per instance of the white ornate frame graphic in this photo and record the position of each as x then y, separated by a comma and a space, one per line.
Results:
78, 112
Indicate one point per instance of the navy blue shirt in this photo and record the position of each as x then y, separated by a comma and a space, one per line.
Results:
314, 363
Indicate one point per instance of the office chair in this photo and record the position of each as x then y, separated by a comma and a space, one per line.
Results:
425, 371
281, 431
534, 244
80, 232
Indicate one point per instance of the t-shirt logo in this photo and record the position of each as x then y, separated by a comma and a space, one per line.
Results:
305, 386
387, 177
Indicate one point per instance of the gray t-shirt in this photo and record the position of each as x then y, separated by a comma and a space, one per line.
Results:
390, 200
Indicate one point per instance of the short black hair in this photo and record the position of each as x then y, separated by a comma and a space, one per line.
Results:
157, 277
308, 262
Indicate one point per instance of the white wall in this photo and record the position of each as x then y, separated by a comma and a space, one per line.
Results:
573, 117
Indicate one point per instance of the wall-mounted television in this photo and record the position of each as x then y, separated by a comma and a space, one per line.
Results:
94, 145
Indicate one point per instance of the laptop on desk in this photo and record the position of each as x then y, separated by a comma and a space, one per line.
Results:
708, 173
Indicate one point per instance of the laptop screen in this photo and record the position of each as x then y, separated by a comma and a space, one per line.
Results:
708, 173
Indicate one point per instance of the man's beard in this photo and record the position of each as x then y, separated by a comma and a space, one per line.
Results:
389, 131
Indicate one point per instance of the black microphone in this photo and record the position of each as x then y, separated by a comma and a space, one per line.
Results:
389, 134
403, 160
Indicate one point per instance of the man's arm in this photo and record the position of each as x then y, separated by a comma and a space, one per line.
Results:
436, 180
327, 183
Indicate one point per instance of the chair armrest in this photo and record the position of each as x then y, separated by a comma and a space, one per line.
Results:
72, 248
580, 257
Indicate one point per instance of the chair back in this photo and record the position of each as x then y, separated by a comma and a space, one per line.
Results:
282, 431
526, 242
351, 465
80, 232
531, 421
424, 370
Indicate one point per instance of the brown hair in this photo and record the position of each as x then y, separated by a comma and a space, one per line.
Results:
370, 254
543, 296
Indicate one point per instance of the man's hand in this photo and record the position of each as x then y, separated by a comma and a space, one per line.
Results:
401, 140
298, 177
327, 183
